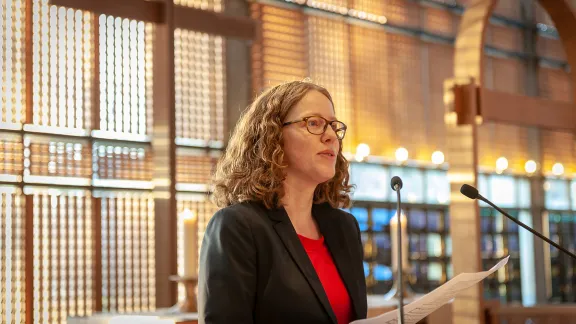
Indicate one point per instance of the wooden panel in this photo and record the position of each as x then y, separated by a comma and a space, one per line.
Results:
496, 140
62, 254
330, 67
281, 52
125, 75
62, 66
558, 147
200, 87
13, 295
509, 8
528, 111
397, 12
541, 15
12, 64
555, 84
503, 37
214, 23
388, 91
439, 21
127, 249
550, 48
440, 66
371, 79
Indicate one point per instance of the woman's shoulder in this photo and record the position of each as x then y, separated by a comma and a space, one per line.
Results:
242, 212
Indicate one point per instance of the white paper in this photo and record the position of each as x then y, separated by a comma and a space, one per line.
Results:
422, 307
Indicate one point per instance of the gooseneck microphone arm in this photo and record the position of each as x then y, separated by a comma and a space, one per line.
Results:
396, 184
472, 193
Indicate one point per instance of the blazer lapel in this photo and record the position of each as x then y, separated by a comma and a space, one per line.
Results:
288, 235
338, 245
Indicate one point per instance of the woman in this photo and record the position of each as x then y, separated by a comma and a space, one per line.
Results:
280, 251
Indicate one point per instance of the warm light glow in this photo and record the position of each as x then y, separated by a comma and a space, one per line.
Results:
363, 150
437, 157
501, 164
530, 166
558, 169
187, 214
401, 154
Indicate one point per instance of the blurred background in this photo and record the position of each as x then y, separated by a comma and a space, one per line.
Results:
113, 114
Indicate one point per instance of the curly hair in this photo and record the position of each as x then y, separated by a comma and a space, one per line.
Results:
252, 167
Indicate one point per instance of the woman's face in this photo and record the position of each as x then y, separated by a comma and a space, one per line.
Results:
310, 158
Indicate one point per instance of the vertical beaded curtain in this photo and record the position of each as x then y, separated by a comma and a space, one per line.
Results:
62, 55
200, 87
65, 63
12, 275
63, 255
125, 68
12, 63
127, 247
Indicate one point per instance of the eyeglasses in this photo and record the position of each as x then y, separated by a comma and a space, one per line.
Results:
317, 125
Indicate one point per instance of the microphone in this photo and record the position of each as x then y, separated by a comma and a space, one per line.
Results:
472, 193
396, 184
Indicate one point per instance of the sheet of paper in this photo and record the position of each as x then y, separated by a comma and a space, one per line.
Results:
422, 307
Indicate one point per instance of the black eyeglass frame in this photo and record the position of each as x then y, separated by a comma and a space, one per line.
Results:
328, 122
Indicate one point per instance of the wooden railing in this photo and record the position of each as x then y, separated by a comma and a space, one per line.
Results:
545, 314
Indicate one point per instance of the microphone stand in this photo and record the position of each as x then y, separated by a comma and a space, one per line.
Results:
400, 266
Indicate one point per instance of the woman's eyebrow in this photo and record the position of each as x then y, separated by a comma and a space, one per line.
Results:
306, 114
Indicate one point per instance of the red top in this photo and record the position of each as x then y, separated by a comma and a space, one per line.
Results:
330, 278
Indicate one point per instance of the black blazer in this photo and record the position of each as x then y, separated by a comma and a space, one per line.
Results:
254, 269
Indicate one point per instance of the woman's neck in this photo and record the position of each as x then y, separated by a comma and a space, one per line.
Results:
297, 201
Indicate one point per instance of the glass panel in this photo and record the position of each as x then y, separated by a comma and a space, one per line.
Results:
413, 184
573, 194
434, 271
437, 187
381, 218
556, 194
524, 200
503, 190
361, 215
382, 272
483, 188
435, 220
372, 182
417, 219
434, 245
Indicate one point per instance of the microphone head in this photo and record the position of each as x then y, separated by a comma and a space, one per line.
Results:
396, 183
469, 191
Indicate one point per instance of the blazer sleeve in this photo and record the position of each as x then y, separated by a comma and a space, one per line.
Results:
227, 272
